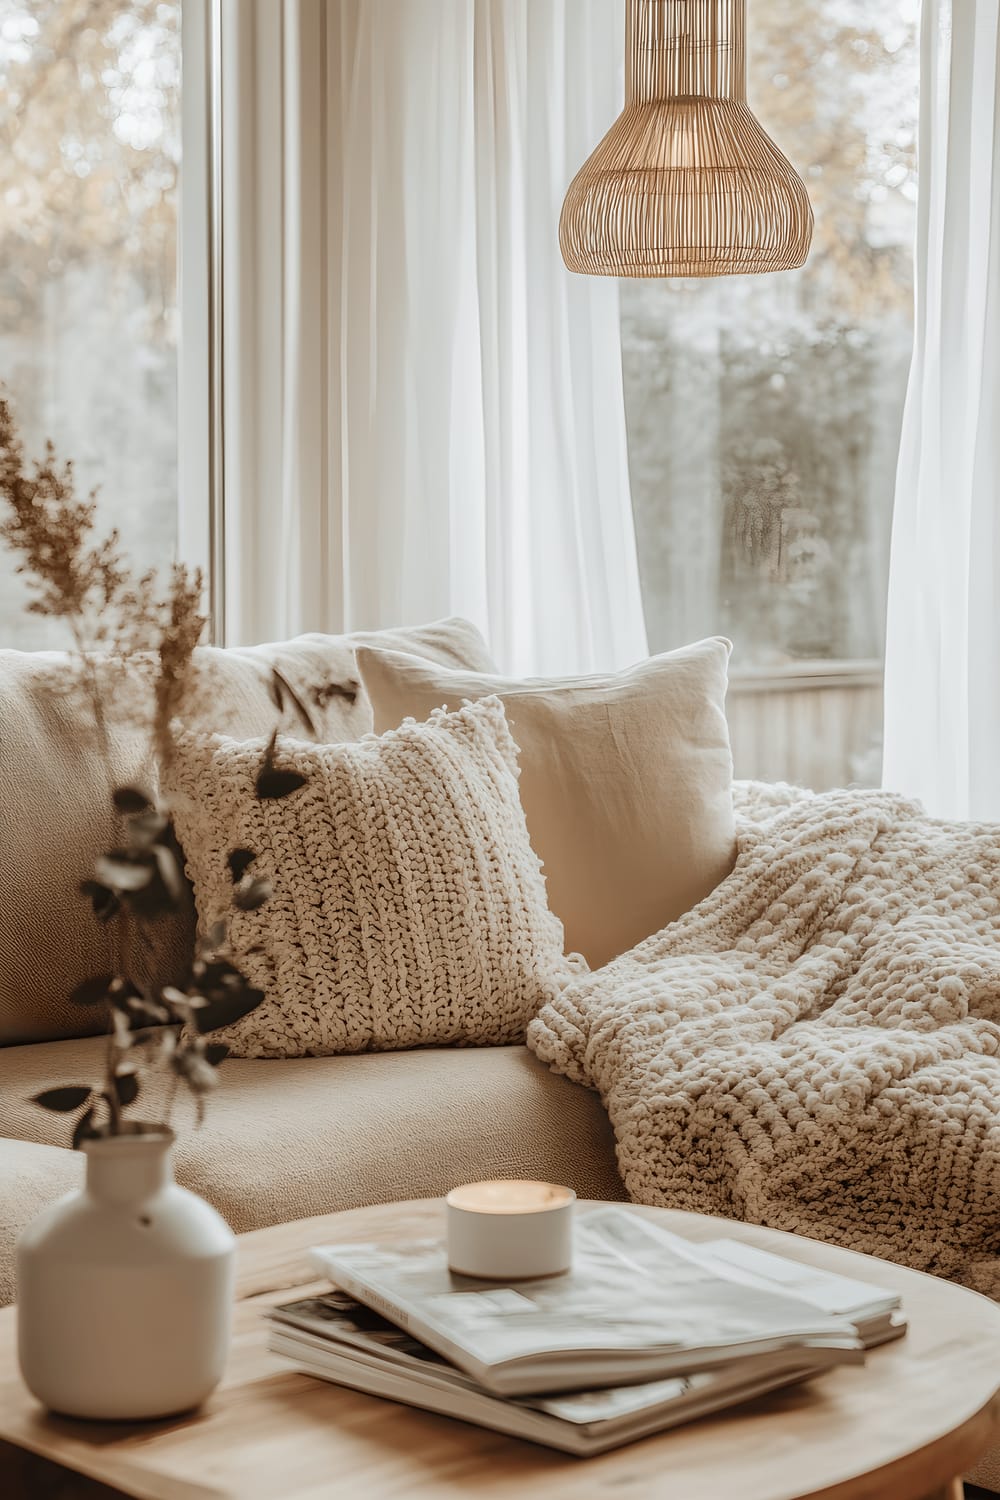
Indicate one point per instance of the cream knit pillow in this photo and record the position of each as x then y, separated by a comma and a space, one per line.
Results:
408, 907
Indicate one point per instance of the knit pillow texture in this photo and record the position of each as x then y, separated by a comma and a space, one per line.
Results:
408, 907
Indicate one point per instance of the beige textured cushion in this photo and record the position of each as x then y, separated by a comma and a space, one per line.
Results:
407, 908
31, 1177
55, 800
625, 779
286, 1139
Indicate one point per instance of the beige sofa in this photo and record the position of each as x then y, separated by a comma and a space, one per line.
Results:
281, 1139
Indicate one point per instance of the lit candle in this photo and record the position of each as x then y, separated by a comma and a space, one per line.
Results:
510, 1231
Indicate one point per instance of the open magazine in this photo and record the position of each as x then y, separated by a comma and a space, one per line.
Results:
874, 1311
638, 1305
338, 1339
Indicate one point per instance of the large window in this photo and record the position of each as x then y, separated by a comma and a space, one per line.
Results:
89, 162
764, 412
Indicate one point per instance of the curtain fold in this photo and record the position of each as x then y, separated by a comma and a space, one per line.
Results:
424, 410
942, 682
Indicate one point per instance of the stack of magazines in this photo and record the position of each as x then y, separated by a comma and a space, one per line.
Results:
646, 1331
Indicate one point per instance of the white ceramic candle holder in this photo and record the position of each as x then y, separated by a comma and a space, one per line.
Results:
510, 1231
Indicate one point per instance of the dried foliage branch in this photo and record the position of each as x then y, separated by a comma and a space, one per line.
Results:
119, 618
181, 628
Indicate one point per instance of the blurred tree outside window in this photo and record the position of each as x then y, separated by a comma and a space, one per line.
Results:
89, 164
764, 412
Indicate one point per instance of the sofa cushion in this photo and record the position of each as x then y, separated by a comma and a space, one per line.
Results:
626, 781
55, 798
407, 907
31, 1177
286, 1139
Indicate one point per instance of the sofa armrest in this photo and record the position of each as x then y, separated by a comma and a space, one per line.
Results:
31, 1177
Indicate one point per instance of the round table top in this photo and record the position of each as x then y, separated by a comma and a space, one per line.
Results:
916, 1415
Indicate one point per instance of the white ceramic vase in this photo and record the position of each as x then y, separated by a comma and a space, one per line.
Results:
125, 1289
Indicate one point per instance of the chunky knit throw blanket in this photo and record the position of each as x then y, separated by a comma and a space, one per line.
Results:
816, 1046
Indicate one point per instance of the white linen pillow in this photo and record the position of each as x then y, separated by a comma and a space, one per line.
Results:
408, 907
626, 780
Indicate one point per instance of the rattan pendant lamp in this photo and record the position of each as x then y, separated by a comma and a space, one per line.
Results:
685, 183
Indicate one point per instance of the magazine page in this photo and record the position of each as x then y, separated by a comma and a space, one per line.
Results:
588, 1423
342, 1321
335, 1315
336, 1322
338, 1325
471, 1404
627, 1291
874, 1312
519, 1420
582, 1407
618, 1401
841, 1295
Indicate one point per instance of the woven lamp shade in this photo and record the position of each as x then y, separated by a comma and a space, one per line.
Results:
685, 183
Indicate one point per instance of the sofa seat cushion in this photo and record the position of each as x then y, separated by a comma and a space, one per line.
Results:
286, 1139
31, 1177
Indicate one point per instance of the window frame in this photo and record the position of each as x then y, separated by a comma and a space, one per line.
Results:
200, 508
812, 672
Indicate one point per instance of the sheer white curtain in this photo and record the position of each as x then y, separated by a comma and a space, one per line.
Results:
942, 692
423, 408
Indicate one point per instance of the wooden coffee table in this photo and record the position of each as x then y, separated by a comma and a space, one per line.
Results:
920, 1412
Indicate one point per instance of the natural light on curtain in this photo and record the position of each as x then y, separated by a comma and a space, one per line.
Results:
942, 691
424, 409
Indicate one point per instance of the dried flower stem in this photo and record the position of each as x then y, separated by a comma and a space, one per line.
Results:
113, 615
